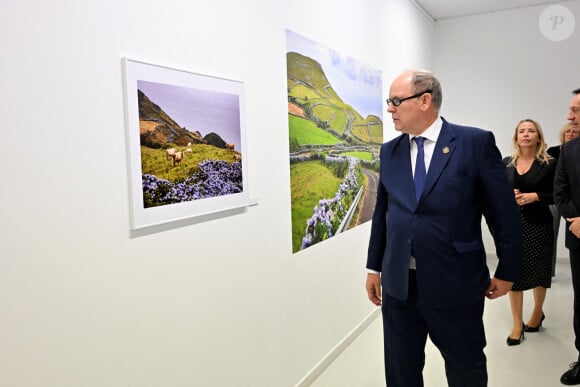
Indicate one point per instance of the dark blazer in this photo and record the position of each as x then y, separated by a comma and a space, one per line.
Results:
539, 179
466, 179
554, 151
567, 186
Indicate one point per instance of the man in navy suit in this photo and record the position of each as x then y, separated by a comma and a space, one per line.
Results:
567, 198
426, 251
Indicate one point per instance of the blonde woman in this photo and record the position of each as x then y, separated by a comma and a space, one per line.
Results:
567, 133
531, 172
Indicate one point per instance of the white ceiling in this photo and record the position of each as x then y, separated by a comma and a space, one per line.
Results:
446, 9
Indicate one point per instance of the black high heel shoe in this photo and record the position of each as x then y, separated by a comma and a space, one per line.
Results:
536, 329
511, 341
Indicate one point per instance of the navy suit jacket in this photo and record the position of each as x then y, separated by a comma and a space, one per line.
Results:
465, 180
567, 187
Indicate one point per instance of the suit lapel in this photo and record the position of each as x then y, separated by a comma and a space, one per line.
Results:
404, 157
511, 170
400, 167
443, 151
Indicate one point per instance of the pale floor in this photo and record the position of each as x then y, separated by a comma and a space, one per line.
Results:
538, 362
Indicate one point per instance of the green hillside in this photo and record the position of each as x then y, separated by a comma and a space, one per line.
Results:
310, 89
155, 162
306, 132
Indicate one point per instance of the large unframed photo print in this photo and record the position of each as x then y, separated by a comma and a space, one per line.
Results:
186, 144
335, 131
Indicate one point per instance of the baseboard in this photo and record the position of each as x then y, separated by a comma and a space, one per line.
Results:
327, 360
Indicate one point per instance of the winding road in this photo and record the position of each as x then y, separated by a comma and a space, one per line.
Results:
369, 197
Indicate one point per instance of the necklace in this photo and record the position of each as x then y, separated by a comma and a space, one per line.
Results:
523, 166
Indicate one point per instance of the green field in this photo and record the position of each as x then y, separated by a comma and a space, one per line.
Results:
302, 93
310, 182
306, 132
155, 162
377, 134
336, 118
368, 156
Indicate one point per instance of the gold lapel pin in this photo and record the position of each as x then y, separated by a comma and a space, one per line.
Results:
445, 149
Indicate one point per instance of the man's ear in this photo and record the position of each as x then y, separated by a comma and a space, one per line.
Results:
425, 100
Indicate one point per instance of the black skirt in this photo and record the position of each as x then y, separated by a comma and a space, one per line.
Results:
537, 251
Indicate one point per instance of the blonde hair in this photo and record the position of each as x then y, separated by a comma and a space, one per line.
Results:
540, 155
563, 131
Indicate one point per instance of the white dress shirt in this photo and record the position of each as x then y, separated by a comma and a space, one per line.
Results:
431, 134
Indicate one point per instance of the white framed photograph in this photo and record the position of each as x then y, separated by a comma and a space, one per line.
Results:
185, 142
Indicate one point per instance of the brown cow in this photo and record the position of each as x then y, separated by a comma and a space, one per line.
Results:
230, 147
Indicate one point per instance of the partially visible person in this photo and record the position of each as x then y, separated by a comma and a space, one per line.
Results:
567, 133
426, 259
531, 172
567, 198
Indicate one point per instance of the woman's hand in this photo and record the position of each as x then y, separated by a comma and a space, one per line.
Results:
526, 198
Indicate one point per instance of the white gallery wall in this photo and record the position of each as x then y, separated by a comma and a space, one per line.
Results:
217, 303
499, 68
222, 302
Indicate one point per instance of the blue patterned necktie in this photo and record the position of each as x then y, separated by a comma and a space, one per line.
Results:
420, 172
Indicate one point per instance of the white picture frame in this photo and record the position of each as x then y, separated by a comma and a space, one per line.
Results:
204, 104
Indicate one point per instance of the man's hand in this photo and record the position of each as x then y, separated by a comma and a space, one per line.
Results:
497, 288
374, 288
574, 226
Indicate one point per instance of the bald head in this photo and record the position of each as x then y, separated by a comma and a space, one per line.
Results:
421, 80
414, 101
